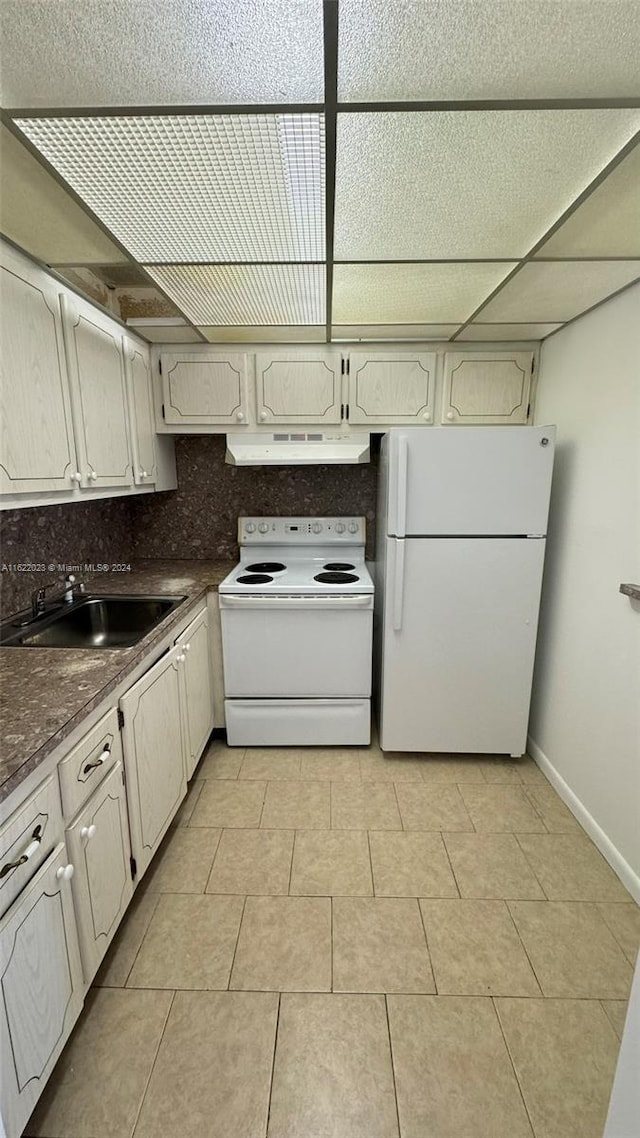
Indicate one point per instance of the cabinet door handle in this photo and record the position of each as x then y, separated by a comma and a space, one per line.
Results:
77, 477
181, 658
143, 474
88, 832
186, 647
240, 416
97, 762
64, 872
28, 852
93, 477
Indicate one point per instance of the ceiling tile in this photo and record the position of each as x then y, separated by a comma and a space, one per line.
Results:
63, 53
507, 331
412, 294
497, 49
40, 216
259, 335
607, 224
551, 291
464, 184
393, 331
197, 187
245, 294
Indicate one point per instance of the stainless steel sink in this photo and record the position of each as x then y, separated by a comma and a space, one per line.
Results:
92, 622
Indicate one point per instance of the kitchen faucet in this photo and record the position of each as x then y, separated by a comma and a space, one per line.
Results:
38, 601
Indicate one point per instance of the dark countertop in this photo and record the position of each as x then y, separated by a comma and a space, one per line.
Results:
47, 692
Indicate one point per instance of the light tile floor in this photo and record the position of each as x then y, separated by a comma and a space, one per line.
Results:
337, 942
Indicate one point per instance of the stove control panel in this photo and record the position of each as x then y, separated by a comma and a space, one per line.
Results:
301, 531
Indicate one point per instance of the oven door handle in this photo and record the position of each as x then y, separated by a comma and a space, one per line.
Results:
355, 600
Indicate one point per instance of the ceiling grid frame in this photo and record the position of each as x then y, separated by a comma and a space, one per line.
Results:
329, 109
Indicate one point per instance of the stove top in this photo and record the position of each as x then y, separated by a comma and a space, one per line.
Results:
301, 557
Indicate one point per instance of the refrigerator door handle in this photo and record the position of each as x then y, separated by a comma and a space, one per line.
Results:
398, 586
401, 485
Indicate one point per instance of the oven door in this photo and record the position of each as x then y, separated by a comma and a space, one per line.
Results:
297, 646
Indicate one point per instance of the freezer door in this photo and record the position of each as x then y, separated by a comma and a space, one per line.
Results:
476, 480
458, 643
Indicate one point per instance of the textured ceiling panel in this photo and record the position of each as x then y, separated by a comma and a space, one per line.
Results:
246, 294
557, 291
507, 331
198, 187
488, 49
256, 334
393, 331
88, 53
40, 216
465, 184
607, 224
411, 294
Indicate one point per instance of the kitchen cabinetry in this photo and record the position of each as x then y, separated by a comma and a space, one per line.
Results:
391, 388
204, 388
486, 387
98, 395
41, 986
38, 450
154, 748
196, 683
295, 387
98, 844
138, 375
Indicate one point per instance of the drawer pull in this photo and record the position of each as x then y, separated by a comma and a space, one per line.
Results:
36, 838
102, 758
64, 873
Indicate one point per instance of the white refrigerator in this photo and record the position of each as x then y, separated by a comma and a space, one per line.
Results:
462, 520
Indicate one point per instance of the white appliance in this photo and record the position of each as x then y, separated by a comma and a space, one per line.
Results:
461, 526
297, 620
299, 447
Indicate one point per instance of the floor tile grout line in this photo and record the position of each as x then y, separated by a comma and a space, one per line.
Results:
155, 1057
273, 1063
144, 936
511, 1059
524, 947
264, 802
235, 948
450, 863
293, 853
331, 938
398, 806
531, 867
426, 941
373, 879
393, 1069
215, 854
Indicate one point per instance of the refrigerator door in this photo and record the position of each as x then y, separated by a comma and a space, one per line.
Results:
458, 643
475, 480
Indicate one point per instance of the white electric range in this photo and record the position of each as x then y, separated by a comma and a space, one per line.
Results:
297, 622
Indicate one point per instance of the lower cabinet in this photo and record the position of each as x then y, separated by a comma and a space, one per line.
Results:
154, 748
41, 986
98, 843
196, 687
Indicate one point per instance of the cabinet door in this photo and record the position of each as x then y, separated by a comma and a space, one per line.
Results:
197, 687
297, 388
392, 387
96, 369
486, 387
99, 848
38, 452
41, 988
143, 434
201, 388
154, 755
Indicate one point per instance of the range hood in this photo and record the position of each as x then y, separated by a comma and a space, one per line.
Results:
297, 448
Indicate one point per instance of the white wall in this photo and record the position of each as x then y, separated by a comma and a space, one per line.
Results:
585, 717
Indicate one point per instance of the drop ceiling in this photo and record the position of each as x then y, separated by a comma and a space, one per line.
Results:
298, 171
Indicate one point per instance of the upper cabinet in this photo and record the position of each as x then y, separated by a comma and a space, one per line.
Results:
99, 398
298, 387
38, 452
138, 373
204, 388
486, 387
391, 388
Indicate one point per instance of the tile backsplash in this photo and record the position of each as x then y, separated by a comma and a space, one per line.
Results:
198, 520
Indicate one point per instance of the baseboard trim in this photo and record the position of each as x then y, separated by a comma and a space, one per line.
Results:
619, 865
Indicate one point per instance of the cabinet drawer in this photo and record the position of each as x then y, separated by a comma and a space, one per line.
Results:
27, 838
88, 762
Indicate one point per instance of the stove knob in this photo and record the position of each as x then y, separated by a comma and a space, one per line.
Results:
353, 527
263, 527
250, 527
340, 527
316, 527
